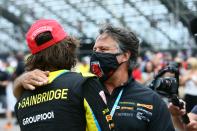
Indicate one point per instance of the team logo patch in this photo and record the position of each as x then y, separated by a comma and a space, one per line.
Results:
96, 69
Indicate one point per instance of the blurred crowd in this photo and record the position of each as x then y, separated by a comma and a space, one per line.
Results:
10, 68
146, 67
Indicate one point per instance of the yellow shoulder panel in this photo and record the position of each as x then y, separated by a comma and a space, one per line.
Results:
88, 74
92, 123
53, 75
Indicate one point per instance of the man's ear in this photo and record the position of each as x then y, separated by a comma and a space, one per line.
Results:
126, 56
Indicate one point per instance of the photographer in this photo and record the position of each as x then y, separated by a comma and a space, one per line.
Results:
166, 83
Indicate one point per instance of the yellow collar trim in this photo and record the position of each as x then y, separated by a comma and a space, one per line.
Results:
53, 75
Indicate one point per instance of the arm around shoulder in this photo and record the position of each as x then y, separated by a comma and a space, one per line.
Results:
30, 80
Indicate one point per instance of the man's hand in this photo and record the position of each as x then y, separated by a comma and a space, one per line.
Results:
30, 80
192, 126
175, 110
176, 114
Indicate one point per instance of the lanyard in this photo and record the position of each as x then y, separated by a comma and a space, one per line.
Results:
116, 103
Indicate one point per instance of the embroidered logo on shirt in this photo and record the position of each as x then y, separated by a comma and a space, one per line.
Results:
150, 107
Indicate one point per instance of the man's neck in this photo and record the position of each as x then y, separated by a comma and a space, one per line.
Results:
119, 78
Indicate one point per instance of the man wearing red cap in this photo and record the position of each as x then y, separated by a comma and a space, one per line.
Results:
67, 101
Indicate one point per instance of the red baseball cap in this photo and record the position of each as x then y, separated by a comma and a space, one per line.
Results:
44, 25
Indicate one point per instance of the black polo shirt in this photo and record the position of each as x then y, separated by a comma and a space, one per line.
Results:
139, 109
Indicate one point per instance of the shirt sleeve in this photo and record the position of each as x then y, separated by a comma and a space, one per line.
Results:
161, 119
194, 110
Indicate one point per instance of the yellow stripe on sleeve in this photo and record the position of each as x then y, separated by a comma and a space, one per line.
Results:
92, 124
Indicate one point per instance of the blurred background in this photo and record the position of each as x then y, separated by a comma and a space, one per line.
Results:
164, 28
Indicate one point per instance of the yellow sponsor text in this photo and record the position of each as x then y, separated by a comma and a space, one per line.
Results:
43, 97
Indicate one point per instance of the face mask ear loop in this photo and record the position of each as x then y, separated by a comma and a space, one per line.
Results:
117, 54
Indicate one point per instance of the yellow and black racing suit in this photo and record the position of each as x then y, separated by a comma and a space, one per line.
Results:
70, 102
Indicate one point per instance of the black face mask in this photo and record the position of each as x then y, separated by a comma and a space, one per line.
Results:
103, 64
